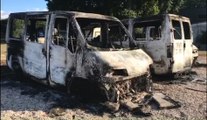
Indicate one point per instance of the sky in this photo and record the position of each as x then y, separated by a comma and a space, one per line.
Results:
9, 6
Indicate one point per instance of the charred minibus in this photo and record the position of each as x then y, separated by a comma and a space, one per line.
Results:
167, 39
81, 51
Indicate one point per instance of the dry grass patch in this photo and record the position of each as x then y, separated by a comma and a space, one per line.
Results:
3, 52
202, 53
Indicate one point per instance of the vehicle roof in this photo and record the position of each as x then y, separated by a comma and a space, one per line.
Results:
159, 17
71, 13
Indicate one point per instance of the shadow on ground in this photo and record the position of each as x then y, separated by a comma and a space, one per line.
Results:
200, 65
52, 97
57, 97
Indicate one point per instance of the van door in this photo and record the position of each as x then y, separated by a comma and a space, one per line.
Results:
61, 53
154, 46
35, 46
187, 44
178, 45
15, 41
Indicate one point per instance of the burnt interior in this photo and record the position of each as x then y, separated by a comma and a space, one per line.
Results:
103, 33
140, 29
36, 29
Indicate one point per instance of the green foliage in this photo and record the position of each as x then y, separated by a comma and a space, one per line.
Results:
126, 13
170, 6
118, 8
40, 24
148, 7
17, 28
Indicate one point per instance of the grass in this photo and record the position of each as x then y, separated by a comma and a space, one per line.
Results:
202, 53
3, 51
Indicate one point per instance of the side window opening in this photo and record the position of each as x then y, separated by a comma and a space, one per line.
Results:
96, 32
143, 30
93, 31
176, 29
60, 32
17, 28
36, 30
40, 33
72, 42
155, 32
140, 33
187, 33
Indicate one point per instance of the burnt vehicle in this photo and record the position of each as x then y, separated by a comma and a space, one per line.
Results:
81, 51
168, 39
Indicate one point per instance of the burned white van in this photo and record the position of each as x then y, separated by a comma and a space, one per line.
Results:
82, 51
167, 39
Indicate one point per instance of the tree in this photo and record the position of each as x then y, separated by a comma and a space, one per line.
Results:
170, 6
118, 8
98, 6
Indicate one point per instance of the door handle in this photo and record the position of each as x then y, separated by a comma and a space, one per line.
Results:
184, 45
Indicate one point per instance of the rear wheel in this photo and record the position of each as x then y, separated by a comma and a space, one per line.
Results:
68, 85
17, 71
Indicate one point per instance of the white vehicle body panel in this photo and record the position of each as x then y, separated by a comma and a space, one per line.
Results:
169, 55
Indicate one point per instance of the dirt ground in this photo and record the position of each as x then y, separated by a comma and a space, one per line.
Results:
28, 100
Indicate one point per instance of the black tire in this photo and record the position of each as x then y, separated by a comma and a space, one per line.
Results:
68, 85
84, 89
18, 73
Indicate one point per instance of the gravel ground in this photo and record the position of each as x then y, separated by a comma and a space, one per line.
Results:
29, 100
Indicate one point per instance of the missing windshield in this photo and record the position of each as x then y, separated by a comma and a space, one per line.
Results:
104, 33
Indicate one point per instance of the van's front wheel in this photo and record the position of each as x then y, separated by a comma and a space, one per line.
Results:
17, 70
85, 89
68, 85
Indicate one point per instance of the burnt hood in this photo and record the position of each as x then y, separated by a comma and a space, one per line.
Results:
134, 62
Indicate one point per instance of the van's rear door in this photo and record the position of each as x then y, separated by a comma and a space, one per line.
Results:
178, 45
187, 44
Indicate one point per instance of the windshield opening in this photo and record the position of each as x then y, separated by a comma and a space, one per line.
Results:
104, 33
